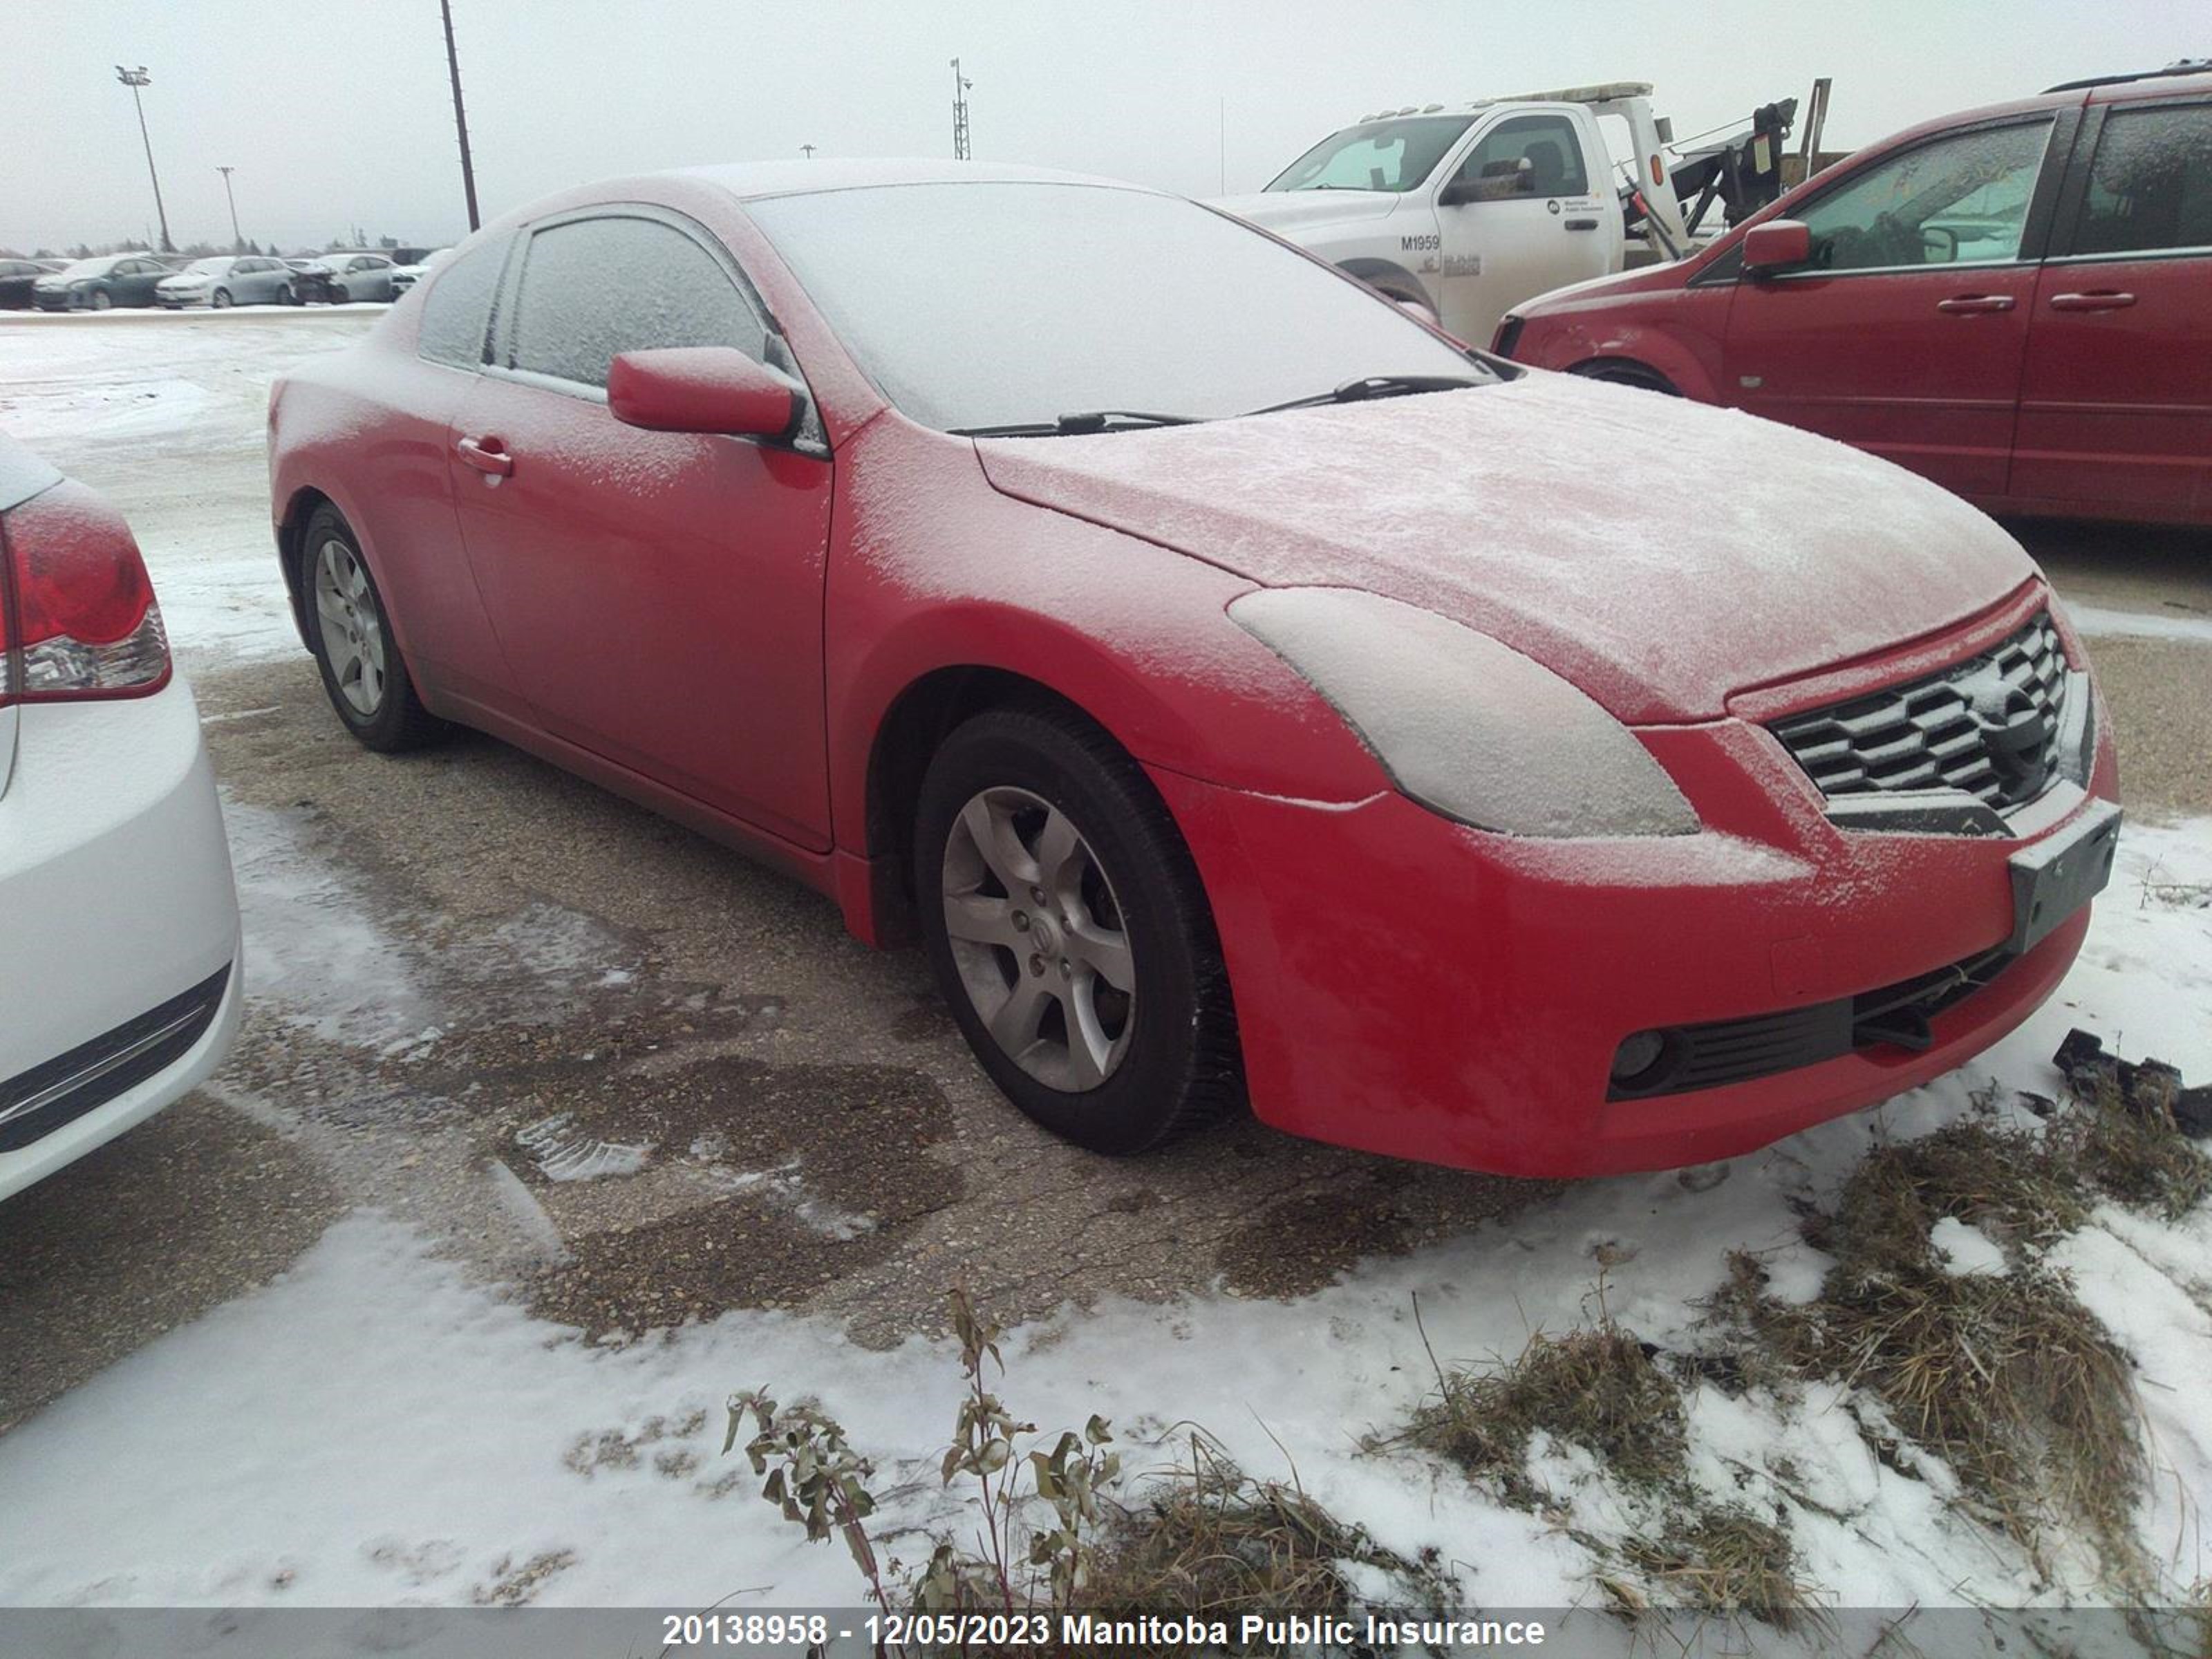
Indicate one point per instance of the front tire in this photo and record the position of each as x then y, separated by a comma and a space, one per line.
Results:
363, 673
338, 295
1070, 933
220, 299
101, 299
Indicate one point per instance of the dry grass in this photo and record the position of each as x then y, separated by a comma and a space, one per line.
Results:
1728, 1562
2137, 1156
1595, 1387
2006, 1379
1209, 1538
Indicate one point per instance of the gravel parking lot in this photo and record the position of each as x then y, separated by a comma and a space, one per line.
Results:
482, 987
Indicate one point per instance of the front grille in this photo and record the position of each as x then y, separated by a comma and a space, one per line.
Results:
1989, 725
36, 1102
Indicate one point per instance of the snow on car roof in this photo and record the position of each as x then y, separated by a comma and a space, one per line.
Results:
754, 178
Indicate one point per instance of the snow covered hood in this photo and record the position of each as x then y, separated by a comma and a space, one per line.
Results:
1660, 553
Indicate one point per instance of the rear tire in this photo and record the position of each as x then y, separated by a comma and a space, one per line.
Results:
363, 673
1051, 853
287, 296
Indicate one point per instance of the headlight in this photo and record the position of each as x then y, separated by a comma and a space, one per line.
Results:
1465, 725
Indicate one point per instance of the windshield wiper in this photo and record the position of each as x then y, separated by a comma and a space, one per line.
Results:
1378, 385
1084, 420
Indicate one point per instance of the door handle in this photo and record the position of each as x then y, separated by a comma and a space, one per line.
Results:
486, 455
1582, 224
2104, 301
1976, 302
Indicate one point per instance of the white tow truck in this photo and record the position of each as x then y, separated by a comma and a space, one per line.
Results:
1463, 211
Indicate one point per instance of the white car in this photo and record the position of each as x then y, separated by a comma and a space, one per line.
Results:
405, 276
119, 971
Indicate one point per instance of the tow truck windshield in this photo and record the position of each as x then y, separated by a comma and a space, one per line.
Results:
1394, 155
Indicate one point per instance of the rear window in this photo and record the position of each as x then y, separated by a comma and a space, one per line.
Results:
2150, 187
456, 310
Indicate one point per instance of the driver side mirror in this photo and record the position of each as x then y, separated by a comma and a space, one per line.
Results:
1511, 175
1777, 245
703, 389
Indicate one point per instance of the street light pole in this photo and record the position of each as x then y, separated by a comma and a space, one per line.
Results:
460, 115
135, 79
237, 238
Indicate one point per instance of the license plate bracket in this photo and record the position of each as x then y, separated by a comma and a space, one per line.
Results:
2057, 876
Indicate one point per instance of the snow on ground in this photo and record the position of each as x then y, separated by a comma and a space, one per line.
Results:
191, 431
373, 1427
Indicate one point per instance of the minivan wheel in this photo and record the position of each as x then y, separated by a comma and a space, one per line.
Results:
1635, 374
1070, 933
363, 673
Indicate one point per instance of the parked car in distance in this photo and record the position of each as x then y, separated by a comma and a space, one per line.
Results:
1242, 691
224, 280
96, 284
119, 988
2015, 302
17, 276
405, 276
337, 278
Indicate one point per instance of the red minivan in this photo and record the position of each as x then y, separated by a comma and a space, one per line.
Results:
2015, 302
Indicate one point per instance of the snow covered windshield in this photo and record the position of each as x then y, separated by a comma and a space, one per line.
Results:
1393, 156
98, 267
998, 303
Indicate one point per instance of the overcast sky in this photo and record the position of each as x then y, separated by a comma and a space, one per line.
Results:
337, 112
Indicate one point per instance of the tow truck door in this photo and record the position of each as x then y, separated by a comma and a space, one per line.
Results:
1526, 210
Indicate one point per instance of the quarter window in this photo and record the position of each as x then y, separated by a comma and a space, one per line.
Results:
457, 308
593, 288
2150, 187
1961, 200
1529, 156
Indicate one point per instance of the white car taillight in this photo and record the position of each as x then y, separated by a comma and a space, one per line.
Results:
77, 615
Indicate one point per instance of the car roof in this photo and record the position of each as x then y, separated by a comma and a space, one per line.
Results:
2157, 84
749, 179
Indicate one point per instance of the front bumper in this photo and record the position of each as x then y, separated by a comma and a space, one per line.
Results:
116, 900
1409, 985
59, 301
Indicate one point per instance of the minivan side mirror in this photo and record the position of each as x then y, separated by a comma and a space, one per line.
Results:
706, 389
1777, 245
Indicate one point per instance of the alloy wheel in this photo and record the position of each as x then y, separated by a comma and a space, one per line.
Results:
1038, 938
353, 631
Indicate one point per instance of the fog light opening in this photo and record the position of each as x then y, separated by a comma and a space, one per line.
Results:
1644, 1062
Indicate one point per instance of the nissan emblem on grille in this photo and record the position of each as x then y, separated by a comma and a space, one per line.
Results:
1989, 725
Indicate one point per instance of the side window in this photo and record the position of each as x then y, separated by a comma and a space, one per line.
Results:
456, 310
1961, 200
593, 289
2150, 187
1529, 156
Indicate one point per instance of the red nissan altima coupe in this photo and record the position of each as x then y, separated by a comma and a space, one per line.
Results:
1242, 692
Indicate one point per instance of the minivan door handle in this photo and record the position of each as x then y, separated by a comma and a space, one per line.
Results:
488, 456
2106, 300
1976, 302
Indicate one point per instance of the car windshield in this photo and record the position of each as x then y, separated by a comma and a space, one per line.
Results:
98, 267
1394, 155
1000, 304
